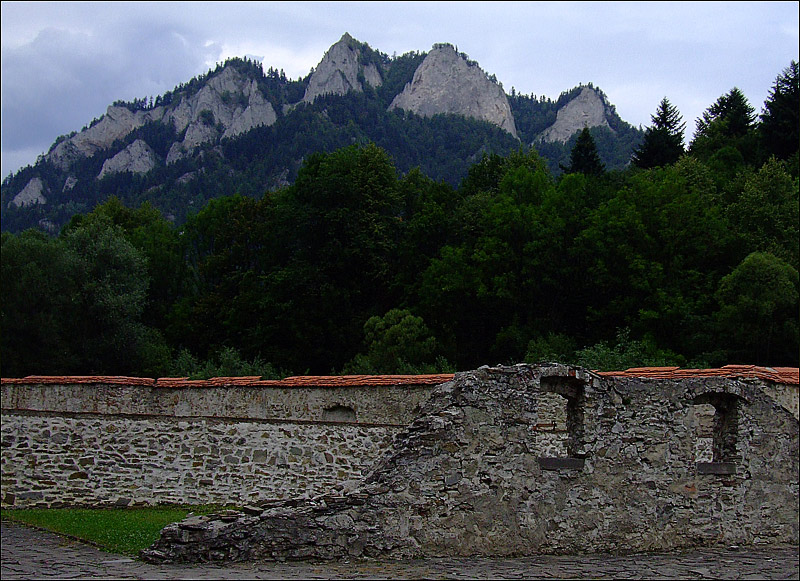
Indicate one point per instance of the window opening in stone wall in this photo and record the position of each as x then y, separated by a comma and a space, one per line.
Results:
562, 400
551, 428
703, 431
720, 430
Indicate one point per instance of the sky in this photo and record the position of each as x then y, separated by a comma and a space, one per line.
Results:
63, 63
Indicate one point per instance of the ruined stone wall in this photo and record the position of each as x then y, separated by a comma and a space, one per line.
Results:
471, 476
497, 461
128, 441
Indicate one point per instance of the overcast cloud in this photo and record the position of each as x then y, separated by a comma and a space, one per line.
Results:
63, 63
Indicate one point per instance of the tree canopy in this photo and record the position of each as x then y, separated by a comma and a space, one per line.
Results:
360, 267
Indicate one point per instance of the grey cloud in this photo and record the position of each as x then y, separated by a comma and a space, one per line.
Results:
50, 83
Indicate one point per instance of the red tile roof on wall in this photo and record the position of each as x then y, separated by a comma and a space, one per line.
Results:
249, 381
783, 375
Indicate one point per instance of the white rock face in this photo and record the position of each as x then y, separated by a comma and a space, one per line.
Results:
234, 102
586, 110
136, 158
259, 111
115, 124
69, 183
446, 83
337, 73
32, 193
228, 101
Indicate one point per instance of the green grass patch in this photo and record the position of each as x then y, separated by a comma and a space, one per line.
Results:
126, 531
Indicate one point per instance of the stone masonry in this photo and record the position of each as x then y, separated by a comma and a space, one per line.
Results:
471, 476
500, 461
113, 441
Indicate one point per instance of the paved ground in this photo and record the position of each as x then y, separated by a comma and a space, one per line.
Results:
31, 554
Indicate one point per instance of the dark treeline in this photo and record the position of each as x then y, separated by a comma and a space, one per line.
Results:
689, 257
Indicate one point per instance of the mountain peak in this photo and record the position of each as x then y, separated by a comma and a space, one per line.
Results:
446, 82
587, 109
338, 71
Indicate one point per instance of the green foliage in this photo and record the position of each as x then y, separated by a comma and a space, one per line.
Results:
408, 245
398, 343
732, 115
41, 280
398, 75
625, 353
729, 122
207, 117
113, 297
227, 363
663, 141
780, 119
759, 302
551, 347
765, 213
584, 157
84, 300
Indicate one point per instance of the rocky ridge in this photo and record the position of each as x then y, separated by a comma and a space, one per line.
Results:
229, 103
446, 83
338, 71
588, 109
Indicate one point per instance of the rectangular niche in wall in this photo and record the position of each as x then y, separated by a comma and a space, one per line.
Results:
339, 413
562, 402
716, 422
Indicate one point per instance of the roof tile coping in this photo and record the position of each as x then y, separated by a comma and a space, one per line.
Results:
246, 381
782, 375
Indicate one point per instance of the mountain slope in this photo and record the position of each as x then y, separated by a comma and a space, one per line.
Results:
238, 129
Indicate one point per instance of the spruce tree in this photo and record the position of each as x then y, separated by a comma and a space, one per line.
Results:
663, 141
780, 119
731, 114
584, 157
728, 123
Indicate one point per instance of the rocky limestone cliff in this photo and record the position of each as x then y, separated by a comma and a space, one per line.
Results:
338, 71
446, 83
116, 124
588, 109
138, 157
32, 193
229, 104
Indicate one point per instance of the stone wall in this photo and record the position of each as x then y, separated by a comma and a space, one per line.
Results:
471, 476
499, 461
101, 461
131, 441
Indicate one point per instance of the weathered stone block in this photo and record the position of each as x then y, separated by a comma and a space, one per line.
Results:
561, 463
716, 468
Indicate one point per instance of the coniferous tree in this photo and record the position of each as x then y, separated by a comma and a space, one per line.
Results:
729, 125
584, 157
732, 114
780, 119
663, 141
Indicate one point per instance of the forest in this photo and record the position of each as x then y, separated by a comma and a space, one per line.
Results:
688, 256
